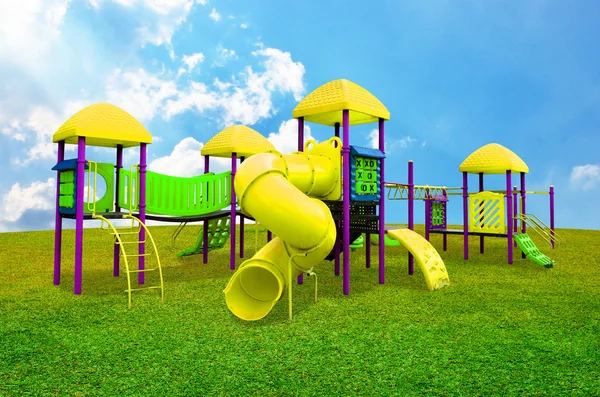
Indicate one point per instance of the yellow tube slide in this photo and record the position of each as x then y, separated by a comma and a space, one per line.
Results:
276, 190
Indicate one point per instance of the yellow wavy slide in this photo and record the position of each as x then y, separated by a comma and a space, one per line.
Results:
283, 192
427, 257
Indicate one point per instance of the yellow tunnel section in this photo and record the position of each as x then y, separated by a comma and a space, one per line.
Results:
283, 192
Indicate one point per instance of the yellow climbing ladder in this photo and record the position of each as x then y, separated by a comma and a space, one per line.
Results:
128, 236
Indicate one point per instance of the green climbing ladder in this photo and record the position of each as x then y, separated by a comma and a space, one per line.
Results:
218, 233
531, 251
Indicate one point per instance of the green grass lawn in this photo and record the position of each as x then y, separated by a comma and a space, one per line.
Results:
498, 329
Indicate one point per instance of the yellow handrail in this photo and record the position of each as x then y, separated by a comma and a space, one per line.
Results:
540, 228
92, 168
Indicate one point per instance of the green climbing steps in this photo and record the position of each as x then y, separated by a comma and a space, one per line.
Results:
531, 251
218, 233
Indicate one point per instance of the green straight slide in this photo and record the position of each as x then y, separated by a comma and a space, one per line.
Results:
218, 233
531, 251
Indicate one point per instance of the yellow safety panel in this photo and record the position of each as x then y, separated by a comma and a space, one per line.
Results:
486, 213
239, 139
429, 260
103, 124
493, 158
325, 104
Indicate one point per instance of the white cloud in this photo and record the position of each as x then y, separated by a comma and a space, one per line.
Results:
14, 130
42, 122
285, 139
586, 177
30, 28
243, 26
191, 61
282, 73
247, 98
185, 160
197, 97
224, 55
214, 15
139, 92
390, 144
162, 18
37, 196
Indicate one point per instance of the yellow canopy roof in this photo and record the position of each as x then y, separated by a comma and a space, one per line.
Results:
239, 139
103, 124
493, 158
325, 104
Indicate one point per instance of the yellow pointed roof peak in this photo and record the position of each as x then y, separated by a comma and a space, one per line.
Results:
103, 124
238, 139
325, 104
493, 158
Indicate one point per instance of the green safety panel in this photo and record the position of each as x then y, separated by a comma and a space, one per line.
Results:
177, 196
218, 233
531, 251
67, 189
437, 213
106, 202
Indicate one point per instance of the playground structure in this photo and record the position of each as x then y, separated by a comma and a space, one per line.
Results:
312, 221
137, 194
486, 213
318, 201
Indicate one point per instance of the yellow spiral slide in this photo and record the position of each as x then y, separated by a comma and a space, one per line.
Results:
283, 192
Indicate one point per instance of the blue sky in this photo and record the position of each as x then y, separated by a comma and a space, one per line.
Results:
455, 76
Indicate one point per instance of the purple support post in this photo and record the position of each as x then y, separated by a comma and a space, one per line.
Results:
445, 236
79, 214
411, 212
301, 149
515, 212
205, 223
368, 250
118, 167
58, 219
269, 235
381, 201
142, 206
346, 201
338, 238
465, 189
428, 216
241, 226
509, 211
481, 238
523, 209
552, 213
233, 214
